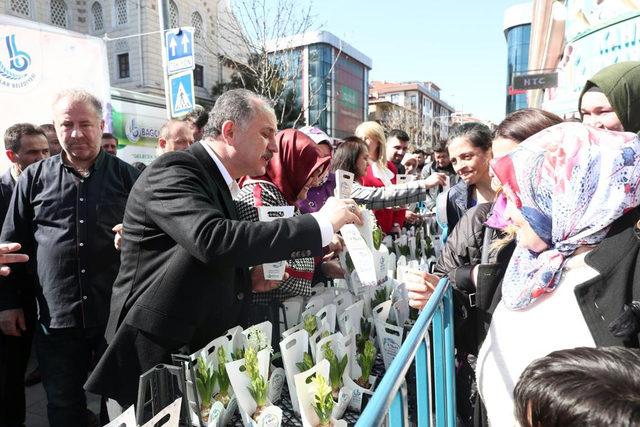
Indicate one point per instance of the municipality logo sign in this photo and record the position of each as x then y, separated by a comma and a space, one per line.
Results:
16, 66
131, 130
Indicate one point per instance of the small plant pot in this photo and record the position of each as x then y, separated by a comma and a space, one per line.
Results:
357, 399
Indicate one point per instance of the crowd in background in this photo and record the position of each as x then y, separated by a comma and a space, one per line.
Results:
128, 264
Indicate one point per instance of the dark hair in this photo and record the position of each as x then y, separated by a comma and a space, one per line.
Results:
581, 387
420, 151
48, 127
399, 134
14, 134
440, 146
198, 117
524, 123
346, 155
107, 135
478, 134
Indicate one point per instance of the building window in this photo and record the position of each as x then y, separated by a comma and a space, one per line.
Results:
20, 7
198, 76
121, 12
98, 17
173, 15
196, 23
58, 13
123, 65
395, 98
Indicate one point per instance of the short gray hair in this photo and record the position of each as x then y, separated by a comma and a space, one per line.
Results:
79, 95
237, 105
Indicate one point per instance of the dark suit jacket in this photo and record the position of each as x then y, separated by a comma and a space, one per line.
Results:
183, 277
7, 184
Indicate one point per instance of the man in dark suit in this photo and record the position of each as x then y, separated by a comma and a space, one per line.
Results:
25, 144
184, 277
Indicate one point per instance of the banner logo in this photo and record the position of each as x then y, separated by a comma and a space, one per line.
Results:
132, 130
15, 65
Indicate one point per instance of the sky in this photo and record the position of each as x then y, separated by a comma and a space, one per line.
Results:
457, 44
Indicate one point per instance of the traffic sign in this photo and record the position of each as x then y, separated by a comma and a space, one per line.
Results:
178, 43
182, 97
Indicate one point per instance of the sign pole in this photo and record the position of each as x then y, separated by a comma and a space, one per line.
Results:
163, 18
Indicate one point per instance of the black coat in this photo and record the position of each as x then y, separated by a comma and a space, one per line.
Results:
474, 304
7, 184
603, 298
183, 278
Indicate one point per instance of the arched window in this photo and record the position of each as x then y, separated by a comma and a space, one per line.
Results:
98, 17
121, 12
20, 7
173, 15
196, 23
59, 12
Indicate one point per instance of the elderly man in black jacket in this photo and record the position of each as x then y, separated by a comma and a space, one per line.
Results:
184, 278
62, 213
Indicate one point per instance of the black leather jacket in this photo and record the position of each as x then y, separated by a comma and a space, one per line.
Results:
462, 252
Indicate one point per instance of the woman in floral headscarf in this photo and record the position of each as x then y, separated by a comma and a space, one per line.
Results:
572, 191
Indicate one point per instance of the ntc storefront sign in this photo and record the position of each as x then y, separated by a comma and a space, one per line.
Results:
535, 81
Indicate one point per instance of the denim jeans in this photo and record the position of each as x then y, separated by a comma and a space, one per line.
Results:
65, 357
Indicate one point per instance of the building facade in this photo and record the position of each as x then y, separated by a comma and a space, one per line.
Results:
415, 107
581, 38
517, 31
330, 80
134, 55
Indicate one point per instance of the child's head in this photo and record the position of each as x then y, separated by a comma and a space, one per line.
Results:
581, 387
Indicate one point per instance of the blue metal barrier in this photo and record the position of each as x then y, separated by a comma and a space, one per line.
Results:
390, 398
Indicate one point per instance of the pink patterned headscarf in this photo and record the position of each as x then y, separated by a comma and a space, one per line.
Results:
570, 182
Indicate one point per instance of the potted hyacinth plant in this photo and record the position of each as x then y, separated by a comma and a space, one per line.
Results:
364, 335
376, 234
258, 387
223, 378
306, 363
205, 384
310, 324
336, 368
380, 296
322, 400
366, 359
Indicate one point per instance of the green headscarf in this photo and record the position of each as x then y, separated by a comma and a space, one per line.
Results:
620, 83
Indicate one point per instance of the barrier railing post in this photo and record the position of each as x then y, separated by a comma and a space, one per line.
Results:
439, 365
389, 402
450, 363
422, 385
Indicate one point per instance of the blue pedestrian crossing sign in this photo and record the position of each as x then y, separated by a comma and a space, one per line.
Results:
182, 98
179, 49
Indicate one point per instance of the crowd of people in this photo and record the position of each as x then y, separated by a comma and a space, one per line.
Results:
111, 268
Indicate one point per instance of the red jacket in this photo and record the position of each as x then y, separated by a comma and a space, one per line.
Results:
386, 217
